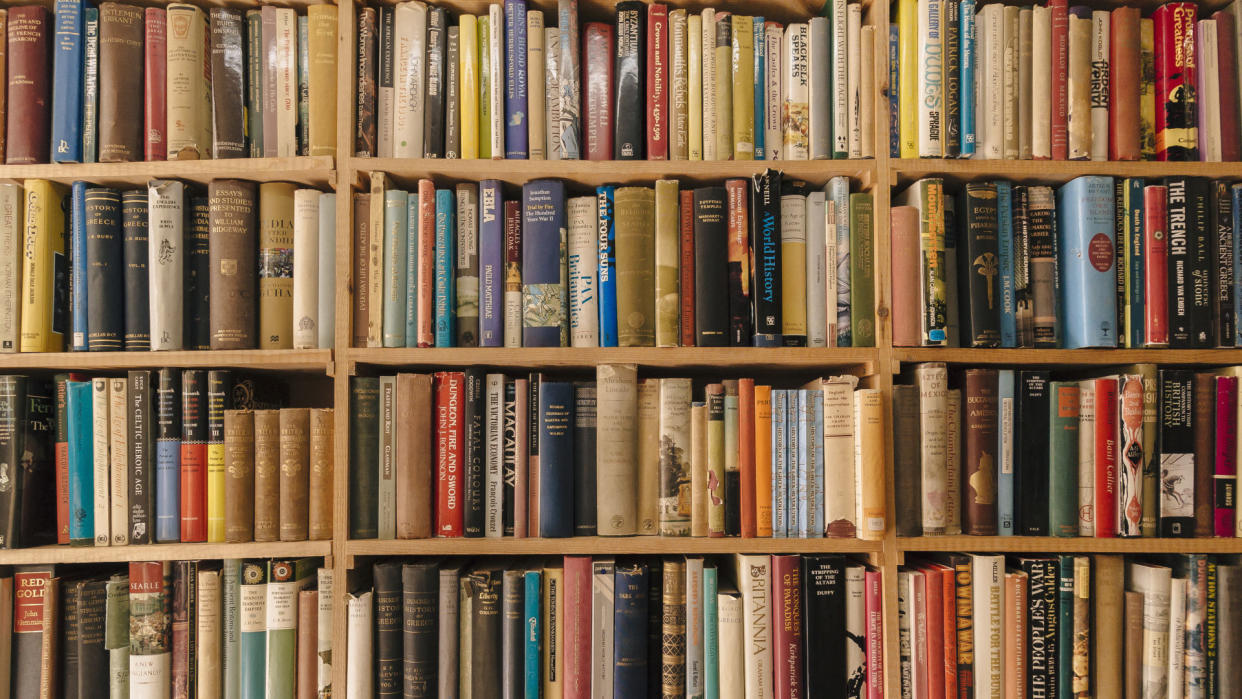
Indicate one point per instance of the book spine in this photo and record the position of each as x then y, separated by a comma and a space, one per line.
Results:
166, 201
628, 139
149, 609
396, 271
364, 452
1155, 267
616, 463
491, 261
194, 431
1225, 476
68, 81
512, 321
1176, 136
168, 456
1106, 461
445, 293
795, 85
29, 98
545, 322
1087, 237
516, 105
306, 289
233, 277
1123, 85
1129, 419
118, 447
765, 242
45, 269
657, 82
365, 145
139, 472
449, 452
76, 249
1221, 242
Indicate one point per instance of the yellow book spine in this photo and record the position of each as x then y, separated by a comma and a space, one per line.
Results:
276, 265
869, 462
694, 76
215, 493
724, 98
667, 261
375, 251
487, 83
793, 265
468, 93
553, 632
743, 87
43, 254
321, 84
907, 48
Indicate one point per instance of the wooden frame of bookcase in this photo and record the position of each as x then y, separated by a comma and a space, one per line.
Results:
345, 173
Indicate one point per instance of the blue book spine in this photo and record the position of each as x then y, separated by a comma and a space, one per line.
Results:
800, 495
556, 459
629, 618
81, 463
793, 499
1237, 259
545, 293
515, 80
68, 79
711, 634
168, 456
1004, 452
90, 89
894, 103
446, 292
533, 633
77, 254
1135, 257
1004, 244
779, 518
491, 265
396, 227
411, 269
607, 267
1088, 270
966, 35
839, 190
760, 84
815, 428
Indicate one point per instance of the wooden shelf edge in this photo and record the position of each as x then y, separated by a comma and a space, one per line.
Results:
284, 360
304, 169
1096, 357
163, 552
604, 546
1045, 170
1052, 544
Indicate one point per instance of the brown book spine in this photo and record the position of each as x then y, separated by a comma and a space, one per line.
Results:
1108, 602
294, 472
361, 268
413, 467
1203, 421
29, 98
322, 456
904, 227
1227, 53
239, 476
121, 30
980, 472
308, 644
1133, 645
1123, 114
266, 475
276, 265
4, 71
231, 226
228, 80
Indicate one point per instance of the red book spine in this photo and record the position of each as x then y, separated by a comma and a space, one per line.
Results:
920, 634
577, 682
28, 591
1230, 111
449, 435
1156, 265
62, 457
193, 492
1123, 84
948, 600
1177, 134
30, 100
426, 260
1226, 454
787, 638
657, 82
746, 453
597, 89
934, 611
874, 608
686, 281
1059, 11
1106, 457
513, 272
155, 116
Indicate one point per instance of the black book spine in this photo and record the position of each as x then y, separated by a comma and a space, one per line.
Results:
485, 632
385, 63
197, 273
69, 635
141, 457
1041, 625
134, 232
655, 629
733, 499
1180, 262
105, 319
1023, 311
629, 76
364, 457
823, 623
12, 416
584, 459
36, 474
741, 310
952, 80
389, 652
630, 625
978, 278
420, 600
907, 473
509, 458
765, 252
1030, 453
1177, 453
433, 114
513, 636
1202, 253
1222, 267
92, 598
364, 106
473, 454
185, 629
711, 264
452, 119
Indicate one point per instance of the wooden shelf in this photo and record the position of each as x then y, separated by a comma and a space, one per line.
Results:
163, 552
1054, 170
781, 10
319, 361
304, 170
1052, 544
603, 546
1055, 357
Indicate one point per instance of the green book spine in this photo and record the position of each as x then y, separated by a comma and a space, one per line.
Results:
230, 656
286, 578
486, 85
364, 458
862, 270
1063, 459
254, 82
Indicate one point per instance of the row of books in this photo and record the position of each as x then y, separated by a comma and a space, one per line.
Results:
171, 266
1097, 262
1138, 451
763, 262
470, 453
651, 82
124, 82
160, 456
1046, 625
730, 627
233, 628
1064, 83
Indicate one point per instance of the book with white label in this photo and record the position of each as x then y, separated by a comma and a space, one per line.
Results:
409, 68
166, 262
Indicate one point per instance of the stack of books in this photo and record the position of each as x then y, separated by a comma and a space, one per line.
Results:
761, 262
712, 85
469, 453
1122, 452
1064, 83
254, 627
171, 266
161, 456
1048, 625
124, 82
744, 625
1097, 262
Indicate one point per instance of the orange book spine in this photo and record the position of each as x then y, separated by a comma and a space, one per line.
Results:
761, 464
746, 453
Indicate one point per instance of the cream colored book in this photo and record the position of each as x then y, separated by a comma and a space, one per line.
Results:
795, 85
1079, 117
774, 95
708, 44
678, 45
100, 427
286, 83
988, 575
1041, 109
1086, 458
724, 89
11, 233
667, 263
675, 503
992, 103
1154, 582
930, 107
1025, 96
694, 86
932, 379
306, 268
841, 497
552, 92
1011, 30
648, 454
754, 574
326, 621
375, 292
494, 54
732, 646
207, 643
583, 214
838, 26
616, 478
869, 462
359, 653
536, 134
409, 74
853, 72
165, 262
188, 84
1209, 90
698, 469
118, 459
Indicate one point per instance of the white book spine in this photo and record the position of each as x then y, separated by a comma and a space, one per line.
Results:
358, 654
11, 231
1100, 29
1209, 89
207, 643
286, 83
409, 65
1177, 638
830, 273
496, 67
1009, 17
708, 72
552, 92
387, 505
536, 108
854, 98
568, 81
100, 427
773, 99
694, 85
795, 74
1041, 102
755, 575
933, 383
165, 262
1086, 458
149, 675
324, 637
930, 78
838, 189
603, 584
979, 26
988, 573
993, 103
306, 268
732, 645
841, 49
840, 498
953, 470
816, 274
493, 454
1025, 18
327, 270
583, 268
826, 90
1154, 583
118, 465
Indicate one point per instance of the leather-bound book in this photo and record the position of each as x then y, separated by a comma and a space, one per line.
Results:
239, 476
1203, 423
673, 650
322, 455
89, 597
1123, 63
197, 271
29, 94
413, 459
1107, 640
231, 226
266, 475
308, 640
134, 254
294, 467
361, 269
363, 457
635, 241
155, 75
364, 108
121, 31
388, 623
480, 590
420, 597
228, 80
979, 471
276, 265
711, 312
907, 473
105, 281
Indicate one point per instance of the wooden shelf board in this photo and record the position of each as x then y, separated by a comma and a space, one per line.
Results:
1050, 544
1047, 357
1054, 170
304, 170
163, 552
274, 360
781, 10
603, 546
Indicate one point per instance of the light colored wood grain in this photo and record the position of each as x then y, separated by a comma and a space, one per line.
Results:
317, 171
1064, 357
1049, 171
319, 361
163, 552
